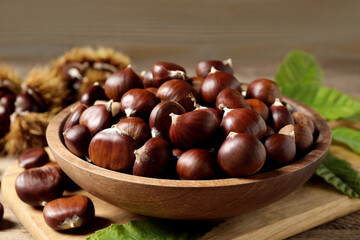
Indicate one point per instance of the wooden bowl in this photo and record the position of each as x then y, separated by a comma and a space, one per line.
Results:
190, 199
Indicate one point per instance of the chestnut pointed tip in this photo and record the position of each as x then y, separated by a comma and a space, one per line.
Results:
177, 74
174, 118
227, 62
155, 132
232, 134
278, 102
142, 73
129, 66
213, 70
129, 112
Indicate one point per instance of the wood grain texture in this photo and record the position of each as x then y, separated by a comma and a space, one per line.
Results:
310, 205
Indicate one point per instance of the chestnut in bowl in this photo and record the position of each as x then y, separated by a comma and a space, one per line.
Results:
190, 199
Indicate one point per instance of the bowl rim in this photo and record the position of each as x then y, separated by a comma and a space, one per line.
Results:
321, 147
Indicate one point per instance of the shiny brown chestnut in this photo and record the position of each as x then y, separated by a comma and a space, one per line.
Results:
25, 102
259, 107
243, 120
37, 186
93, 93
279, 115
193, 128
241, 154
196, 164
77, 140
160, 120
7, 102
302, 119
152, 158
113, 149
74, 117
230, 98
138, 102
302, 135
69, 212
148, 80
136, 128
216, 81
263, 89
33, 157
203, 68
164, 71
121, 82
153, 90
280, 149
179, 91
97, 117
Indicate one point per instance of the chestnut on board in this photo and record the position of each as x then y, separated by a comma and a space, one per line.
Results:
280, 149
138, 102
243, 120
241, 154
136, 128
263, 89
112, 148
33, 157
160, 120
179, 91
37, 186
203, 68
69, 212
77, 140
164, 71
152, 158
193, 128
121, 82
196, 164
216, 81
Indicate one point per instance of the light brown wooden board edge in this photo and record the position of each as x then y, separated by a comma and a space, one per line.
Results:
311, 205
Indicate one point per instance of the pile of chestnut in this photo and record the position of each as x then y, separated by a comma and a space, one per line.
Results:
164, 124
42, 185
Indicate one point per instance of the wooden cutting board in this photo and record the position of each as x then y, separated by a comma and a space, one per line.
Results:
311, 205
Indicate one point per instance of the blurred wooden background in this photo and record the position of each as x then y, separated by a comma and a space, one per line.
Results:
255, 34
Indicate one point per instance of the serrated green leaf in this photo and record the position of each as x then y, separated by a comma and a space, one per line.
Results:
330, 103
299, 68
341, 175
153, 229
348, 136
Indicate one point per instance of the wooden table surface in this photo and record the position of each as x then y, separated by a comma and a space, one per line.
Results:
255, 34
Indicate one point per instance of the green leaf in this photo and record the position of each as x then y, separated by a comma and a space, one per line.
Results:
299, 67
348, 136
341, 175
154, 229
330, 103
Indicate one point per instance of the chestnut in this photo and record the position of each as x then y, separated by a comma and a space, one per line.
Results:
112, 148
93, 93
121, 82
153, 90
279, 115
37, 186
7, 102
77, 140
138, 102
115, 108
280, 149
203, 68
193, 128
241, 154
4, 123
164, 71
179, 91
259, 107
160, 120
148, 80
196, 164
97, 117
136, 128
269, 131
25, 102
302, 135
33, 157
243, 120
74, 117
69, 212
230, 98
263, 89
302, 119
152, 158
216, 81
